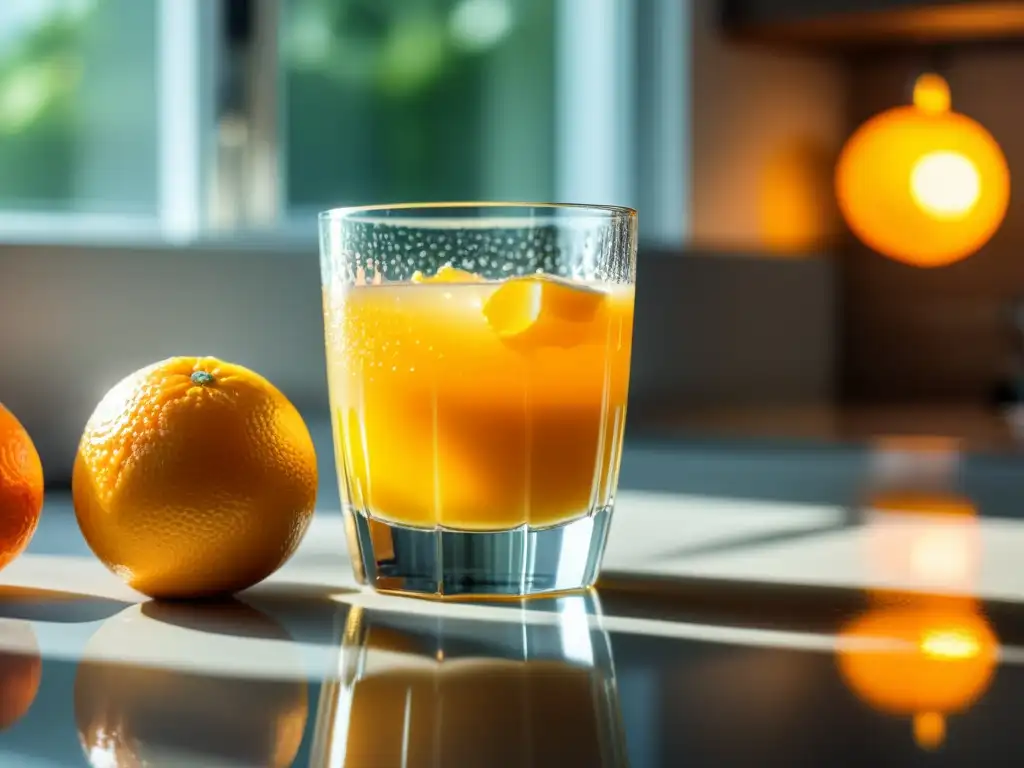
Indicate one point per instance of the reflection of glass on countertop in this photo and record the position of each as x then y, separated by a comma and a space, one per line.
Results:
537, 689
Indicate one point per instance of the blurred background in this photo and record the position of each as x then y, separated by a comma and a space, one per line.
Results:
162, 161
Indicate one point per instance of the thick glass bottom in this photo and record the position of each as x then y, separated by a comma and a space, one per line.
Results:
521, 562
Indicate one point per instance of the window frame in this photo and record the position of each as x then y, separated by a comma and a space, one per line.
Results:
187, 31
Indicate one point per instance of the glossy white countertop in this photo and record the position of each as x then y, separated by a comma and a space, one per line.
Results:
654, 536
293, 626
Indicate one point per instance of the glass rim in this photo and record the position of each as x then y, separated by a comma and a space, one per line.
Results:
581, 210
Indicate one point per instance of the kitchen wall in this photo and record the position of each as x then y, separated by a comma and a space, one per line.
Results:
753, 320
913, 334
767, 124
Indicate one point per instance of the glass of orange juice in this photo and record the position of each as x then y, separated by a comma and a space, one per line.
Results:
527, 688
478, 363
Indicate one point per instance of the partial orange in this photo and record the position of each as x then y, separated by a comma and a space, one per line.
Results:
21, 487
194, 477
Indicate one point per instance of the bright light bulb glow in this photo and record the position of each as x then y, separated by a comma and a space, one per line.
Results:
945, 185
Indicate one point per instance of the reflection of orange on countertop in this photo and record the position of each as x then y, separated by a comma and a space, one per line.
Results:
21, 668
134, 712
929, 662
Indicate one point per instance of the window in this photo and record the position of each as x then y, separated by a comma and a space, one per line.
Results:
421, 100
187, 118
78, 130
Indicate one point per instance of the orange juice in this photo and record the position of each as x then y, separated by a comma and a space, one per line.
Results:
480, 713
479, 405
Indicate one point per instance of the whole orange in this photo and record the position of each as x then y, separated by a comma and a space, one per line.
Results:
21, 487
194, 477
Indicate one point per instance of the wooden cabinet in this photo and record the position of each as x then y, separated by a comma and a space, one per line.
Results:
869, 23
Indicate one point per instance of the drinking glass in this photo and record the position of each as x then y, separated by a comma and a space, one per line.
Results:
478, 363
527, 688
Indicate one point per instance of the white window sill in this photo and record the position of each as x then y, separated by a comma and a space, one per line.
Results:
146, 233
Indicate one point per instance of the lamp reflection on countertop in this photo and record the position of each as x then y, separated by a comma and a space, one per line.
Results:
932, 661
436, 692
920, 533
924, 649
924, 541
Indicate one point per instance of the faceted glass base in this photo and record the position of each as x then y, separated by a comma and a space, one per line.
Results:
439, 562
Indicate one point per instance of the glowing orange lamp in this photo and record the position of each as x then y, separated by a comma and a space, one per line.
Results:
922, 184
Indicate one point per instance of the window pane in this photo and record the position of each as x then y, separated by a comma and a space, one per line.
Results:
78, 124
418, 100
